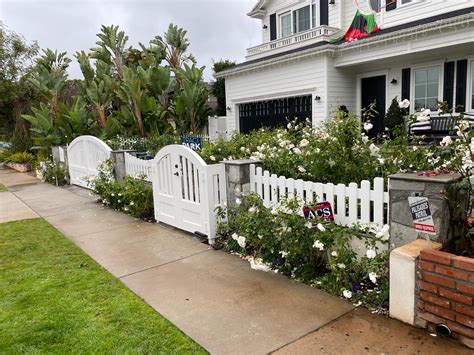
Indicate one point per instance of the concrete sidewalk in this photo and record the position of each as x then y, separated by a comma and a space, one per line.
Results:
212, 296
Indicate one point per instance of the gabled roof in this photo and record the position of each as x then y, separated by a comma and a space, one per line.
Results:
259, 10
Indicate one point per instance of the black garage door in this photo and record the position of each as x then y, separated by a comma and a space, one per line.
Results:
274, 113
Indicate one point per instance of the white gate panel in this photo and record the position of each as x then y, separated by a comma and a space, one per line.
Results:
186, 190
85, 155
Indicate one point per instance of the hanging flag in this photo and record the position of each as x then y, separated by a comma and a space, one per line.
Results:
362, 26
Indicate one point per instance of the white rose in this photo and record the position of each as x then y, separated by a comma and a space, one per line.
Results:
321, 227
297, 151
404, 104
341, 266
253, 209
347, 294
368, 126
318, 245
304, 143
284, 254
301, 169
241, 242
309, 225
212, 157
373, 277
371, 253
334, 253
235, 236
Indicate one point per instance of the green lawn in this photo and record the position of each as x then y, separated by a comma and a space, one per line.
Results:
54, 298
2, 188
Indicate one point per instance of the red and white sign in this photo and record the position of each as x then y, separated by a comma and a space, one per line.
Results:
421, 214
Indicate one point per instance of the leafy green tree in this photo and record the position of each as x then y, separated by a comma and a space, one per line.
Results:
394, 117
50, 77
16, 94
218, 88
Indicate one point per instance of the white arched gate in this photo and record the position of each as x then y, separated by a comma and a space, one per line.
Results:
186, 190
85, 154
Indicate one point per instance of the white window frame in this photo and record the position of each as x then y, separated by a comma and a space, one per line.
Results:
400, 5
280, 26
296, 11
440, 68
470, 87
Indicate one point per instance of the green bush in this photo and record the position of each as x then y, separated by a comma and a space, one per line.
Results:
151, 145
19, 158
133, 196
53, 173
319, 254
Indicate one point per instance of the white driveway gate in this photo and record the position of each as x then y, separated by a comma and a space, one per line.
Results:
85, 154
186, 190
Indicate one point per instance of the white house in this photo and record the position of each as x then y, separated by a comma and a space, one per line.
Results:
423, 52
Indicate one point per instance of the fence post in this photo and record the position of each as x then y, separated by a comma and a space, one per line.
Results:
402, 186
238, 178
118, 161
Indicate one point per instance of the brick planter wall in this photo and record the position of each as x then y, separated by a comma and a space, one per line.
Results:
445, 293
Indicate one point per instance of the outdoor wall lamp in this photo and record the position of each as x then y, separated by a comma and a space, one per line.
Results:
317, 98
265, 27
332, 2
228, 108
394, 81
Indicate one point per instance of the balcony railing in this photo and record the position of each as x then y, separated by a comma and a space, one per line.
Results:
313, 35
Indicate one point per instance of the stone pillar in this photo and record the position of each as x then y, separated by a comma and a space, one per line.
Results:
118, 161
238, 178
403, 265
402, 186
59, 155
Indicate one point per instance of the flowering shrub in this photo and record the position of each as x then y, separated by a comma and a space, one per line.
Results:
320, 254
338, 151
53, 173
151, 145
133, 196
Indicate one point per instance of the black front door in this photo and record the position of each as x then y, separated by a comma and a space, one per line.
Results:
374, 91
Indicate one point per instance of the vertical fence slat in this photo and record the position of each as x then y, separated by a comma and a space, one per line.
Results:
299, 188
378, 200
308, 188
352, 194
365, 202
341, 203
266, 189
282, 187
252, 178
258, 181
274, 189
290, 185
319, 189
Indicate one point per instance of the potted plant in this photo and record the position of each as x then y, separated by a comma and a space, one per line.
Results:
21, 162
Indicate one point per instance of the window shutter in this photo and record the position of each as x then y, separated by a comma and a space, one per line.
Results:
273, 27
448, 91
461, 85
391, 5
406, 83
324, 11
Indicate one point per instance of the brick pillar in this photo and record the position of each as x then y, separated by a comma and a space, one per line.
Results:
402, 186
238, 178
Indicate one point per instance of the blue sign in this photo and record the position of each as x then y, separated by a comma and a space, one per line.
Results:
195, 143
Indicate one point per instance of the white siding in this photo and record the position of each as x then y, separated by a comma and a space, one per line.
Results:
298, 77
341, 88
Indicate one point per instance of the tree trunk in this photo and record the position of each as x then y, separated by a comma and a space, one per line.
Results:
100, 116
137, 115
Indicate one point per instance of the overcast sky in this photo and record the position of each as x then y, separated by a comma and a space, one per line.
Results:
217, 29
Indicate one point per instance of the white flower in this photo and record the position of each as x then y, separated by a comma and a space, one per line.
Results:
259, 265
341, 266
304, 142
373, 277
284, 254
252, 209
374, 150
347, 294
212, 157
309, 225
404, 104
301, 169
368, 126
371, 253
297, 151
260, 236
238, 201
132, 203
241, 242
384, 233
321, 227
235, 236
289, 126
112, 194
331, 163
334, 253
318, 245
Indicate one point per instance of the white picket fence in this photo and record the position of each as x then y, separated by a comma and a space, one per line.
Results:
136, 168
352, 204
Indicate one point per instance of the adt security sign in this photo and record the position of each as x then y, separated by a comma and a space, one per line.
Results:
421, 214
319, 211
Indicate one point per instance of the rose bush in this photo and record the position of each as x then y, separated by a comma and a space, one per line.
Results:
319, 254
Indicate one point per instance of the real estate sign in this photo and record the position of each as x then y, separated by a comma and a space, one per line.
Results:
195, 143
421, 214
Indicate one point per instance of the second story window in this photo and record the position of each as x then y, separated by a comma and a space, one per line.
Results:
375, 5
285, 25
302, 19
